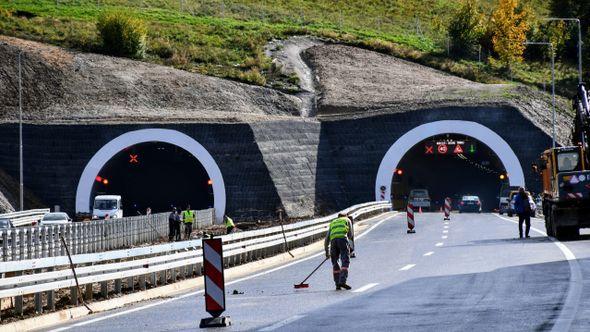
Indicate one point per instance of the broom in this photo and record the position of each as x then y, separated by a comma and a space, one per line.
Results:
303, 284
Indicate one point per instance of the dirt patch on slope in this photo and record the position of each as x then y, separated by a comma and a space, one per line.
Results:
354, 82
61, 86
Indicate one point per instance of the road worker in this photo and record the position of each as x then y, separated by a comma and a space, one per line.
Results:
188, 217
229, 224
174, 225
339, 239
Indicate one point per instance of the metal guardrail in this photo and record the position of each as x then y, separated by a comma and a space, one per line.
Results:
23, 218
159, 263
24, 243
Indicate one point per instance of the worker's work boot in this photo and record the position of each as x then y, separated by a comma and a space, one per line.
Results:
338, 287
345, 286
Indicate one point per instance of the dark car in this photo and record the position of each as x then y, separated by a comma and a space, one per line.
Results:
5, 224
470, 204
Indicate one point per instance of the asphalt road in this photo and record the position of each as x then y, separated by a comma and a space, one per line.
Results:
471, 273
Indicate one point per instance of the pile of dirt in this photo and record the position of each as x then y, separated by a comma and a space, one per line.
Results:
61, 86
354, 82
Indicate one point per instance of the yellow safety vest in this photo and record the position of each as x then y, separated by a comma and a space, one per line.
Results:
229, 222
339, 228
188, 216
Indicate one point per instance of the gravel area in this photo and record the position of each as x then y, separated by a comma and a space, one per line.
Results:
61, 86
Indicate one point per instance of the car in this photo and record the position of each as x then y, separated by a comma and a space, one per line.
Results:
504, 198
419, 198
470, 204
5, 224
532, 203
55, 218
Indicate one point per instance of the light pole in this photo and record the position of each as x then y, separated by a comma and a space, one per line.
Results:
579, 40
552, 82
20, 131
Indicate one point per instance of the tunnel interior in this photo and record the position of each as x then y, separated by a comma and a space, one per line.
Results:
155, 175
452, 166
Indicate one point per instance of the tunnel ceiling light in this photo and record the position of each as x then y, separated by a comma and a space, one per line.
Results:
105, 181
210, 182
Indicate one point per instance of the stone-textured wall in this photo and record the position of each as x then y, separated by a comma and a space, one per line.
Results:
305, 166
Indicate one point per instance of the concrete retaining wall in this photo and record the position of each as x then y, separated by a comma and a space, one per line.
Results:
305, 166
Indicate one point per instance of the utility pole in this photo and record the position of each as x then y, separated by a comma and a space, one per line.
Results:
20, 130
568, 19
553, 134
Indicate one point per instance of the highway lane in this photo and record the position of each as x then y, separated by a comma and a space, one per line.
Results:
470, 273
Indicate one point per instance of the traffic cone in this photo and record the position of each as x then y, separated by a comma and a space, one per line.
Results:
420, 210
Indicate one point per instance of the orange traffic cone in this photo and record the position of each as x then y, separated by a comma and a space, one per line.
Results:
420, 210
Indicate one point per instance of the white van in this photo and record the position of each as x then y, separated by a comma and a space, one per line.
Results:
107, 205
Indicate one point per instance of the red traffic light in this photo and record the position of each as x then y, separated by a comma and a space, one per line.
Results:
98, 178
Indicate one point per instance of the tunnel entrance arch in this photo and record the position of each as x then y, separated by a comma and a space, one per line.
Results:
173, 137
396, 152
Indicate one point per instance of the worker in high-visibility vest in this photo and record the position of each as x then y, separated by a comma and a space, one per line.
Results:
339, 240
229, 224
188, 217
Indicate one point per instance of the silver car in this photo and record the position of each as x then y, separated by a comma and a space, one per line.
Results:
55, 218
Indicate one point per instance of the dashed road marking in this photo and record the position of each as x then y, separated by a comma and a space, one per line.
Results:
282, 323
445, 231
428, 253
444, 237
365, 287
439, 244
407, 267
446, 226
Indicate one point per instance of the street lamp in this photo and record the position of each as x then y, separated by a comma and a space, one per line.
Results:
552, 81
579, 40
20, 131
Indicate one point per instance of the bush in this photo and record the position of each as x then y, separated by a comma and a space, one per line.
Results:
509, 25
122, 35
466, 29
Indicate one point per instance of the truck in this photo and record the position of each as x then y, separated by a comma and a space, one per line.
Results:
107, 205
565, 174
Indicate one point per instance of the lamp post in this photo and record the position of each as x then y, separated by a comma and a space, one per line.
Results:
552, 82
568, 19
20, 131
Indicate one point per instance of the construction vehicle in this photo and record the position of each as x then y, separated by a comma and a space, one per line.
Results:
565, 173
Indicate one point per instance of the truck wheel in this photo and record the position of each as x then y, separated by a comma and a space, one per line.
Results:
567, 233
549, 223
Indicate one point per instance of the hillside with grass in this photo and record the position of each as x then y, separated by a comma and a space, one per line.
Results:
227, 38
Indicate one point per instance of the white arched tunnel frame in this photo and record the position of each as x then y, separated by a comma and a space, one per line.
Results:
473, 129
107, 152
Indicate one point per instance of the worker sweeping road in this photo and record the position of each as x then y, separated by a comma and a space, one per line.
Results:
339, 239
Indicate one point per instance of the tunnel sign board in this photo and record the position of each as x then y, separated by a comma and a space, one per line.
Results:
448, 146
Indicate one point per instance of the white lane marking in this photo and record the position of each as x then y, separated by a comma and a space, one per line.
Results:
444, 237
445, 231
365, 287
446, 227
572, 301
125, 312
428, 253
282, 323
439, 244
407, 267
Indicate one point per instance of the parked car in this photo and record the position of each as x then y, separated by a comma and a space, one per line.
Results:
532, 203
470, 204
419, 198
5, 224
55, 218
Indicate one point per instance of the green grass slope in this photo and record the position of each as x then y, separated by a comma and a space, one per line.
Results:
227, 38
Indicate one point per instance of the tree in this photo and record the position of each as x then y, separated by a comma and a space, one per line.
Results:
509, 26
466, 28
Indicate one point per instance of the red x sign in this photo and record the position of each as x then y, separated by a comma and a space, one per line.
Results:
133, 159
429, 149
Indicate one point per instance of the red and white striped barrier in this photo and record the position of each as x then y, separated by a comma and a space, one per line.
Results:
447, 209
410, 216
214, 284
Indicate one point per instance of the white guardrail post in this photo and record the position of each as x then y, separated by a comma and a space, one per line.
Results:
46, 269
